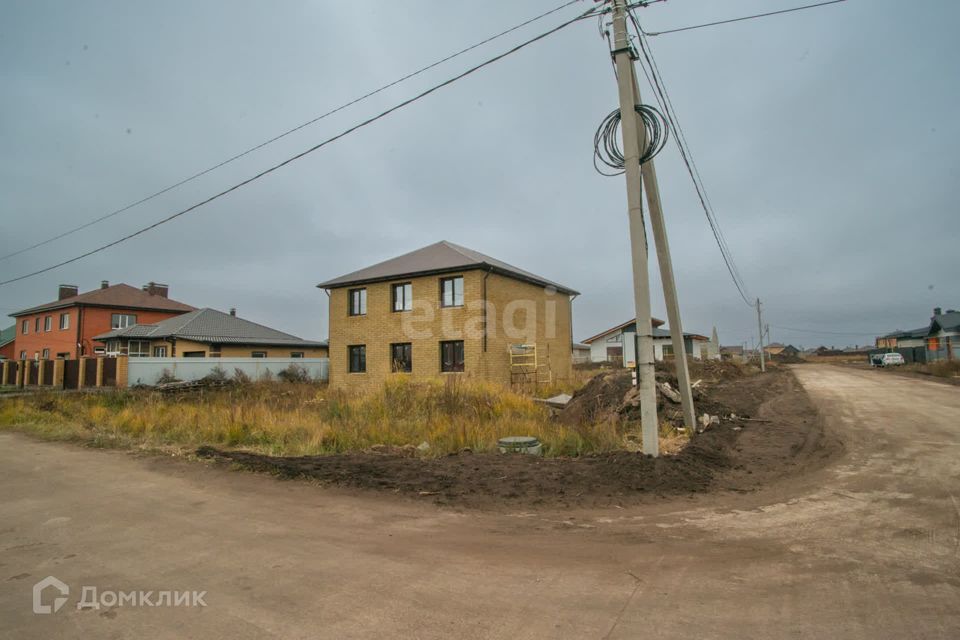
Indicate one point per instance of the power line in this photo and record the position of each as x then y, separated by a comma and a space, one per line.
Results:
759, 15
288, 132
587, 14
655, 78
832, 333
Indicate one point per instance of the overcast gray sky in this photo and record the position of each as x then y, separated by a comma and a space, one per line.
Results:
826, 138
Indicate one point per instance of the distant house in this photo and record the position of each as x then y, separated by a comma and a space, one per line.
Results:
208, 333
618, 344
8, 343
732, 353
943, 337
777, 349
581, 353
938, 340
65, 328
447, 311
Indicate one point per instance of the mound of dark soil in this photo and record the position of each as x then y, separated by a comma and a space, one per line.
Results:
786, 438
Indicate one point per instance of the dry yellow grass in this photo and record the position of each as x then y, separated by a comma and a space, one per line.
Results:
306, 419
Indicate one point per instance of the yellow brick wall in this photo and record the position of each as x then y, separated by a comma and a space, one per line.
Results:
428, 324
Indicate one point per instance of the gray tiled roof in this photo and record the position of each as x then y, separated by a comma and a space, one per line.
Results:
211, 326
7, 335
440, 257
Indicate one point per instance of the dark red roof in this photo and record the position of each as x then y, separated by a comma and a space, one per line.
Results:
119, 295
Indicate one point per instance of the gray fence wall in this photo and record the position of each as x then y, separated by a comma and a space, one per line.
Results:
149, 370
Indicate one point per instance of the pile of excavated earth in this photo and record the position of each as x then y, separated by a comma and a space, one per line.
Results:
760, 428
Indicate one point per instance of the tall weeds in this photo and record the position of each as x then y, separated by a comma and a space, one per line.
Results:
307, 419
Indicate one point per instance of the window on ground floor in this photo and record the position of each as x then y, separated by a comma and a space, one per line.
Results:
113, 347
401, 357
23, 355
451, 355
357, 358
46, 354
159, 352
194, 354
138, 348
296, 354
258, 354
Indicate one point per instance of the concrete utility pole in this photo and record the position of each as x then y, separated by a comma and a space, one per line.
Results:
763, 366
629, 128
649, 179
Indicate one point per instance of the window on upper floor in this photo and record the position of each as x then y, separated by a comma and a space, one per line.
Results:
451, 292
48, 323
403, 297
122, 320
357, 302
36, 325
24, 327
64, 321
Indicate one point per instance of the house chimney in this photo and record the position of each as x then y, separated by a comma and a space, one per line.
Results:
233, 311
937, 311
156, 289
104, 284
67, 291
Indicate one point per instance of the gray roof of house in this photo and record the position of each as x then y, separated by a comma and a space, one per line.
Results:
440, 257
211, 326
949, 321
7, 335
910, 333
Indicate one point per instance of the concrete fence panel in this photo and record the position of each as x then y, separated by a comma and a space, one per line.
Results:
149, 370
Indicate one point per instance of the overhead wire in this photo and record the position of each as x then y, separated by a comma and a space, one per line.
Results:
758, 15
654, 77
288, 132
587, 14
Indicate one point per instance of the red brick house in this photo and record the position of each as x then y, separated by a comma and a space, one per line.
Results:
65, 327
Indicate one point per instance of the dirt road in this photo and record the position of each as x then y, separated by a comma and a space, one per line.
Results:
868, 547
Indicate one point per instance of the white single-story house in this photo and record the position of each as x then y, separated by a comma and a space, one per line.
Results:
618, 344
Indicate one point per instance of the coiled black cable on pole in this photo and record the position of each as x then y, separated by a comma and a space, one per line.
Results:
606, 141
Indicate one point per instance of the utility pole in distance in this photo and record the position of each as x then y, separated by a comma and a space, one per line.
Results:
763, 366
649, 178
629, 127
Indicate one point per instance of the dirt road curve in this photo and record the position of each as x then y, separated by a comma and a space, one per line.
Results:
867, 548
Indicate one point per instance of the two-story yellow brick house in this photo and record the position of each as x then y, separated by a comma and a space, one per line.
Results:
447, 310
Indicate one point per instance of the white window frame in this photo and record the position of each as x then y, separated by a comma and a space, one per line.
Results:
258, 354
160, 351
64, 321
48, 323
122, 320
143, 348
46, 354
25, 328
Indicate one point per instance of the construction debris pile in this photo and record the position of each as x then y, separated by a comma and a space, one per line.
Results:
612, 397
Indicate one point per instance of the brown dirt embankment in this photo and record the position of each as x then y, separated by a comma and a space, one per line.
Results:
777, 434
